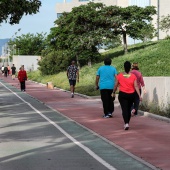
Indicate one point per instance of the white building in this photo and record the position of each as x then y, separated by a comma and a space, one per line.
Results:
30, 62
162, 7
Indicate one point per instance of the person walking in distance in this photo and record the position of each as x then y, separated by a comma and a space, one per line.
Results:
13, 68
22, 77
105, 81
2, 69
127, 83
141, 84
73, 76
5, 71
9, 70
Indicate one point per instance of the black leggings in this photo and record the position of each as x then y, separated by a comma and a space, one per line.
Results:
126, 100
136, 102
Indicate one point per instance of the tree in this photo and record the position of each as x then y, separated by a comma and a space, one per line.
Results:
132, 20
52, 63
89, 25
28, 44
12, 10
82, 31
164, 24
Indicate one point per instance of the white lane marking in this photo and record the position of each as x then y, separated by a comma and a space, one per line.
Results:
90, 152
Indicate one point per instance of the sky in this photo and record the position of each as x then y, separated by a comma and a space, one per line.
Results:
37, 23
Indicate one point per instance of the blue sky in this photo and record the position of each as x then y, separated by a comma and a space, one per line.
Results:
37, 23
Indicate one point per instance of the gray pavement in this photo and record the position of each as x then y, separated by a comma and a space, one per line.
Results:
34, 136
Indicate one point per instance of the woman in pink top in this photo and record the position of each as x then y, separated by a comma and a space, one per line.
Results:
141, 84
127, 85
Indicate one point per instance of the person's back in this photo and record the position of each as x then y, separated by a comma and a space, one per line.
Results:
5, 71
140, 83
107, 77
9, 69
139, 77
2, 69
105, 80
126, 82
13, 68
127, 85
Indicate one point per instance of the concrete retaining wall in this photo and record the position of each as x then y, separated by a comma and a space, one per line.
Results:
158, 91
30, 62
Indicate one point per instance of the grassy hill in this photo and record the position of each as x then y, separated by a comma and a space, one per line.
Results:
153, 59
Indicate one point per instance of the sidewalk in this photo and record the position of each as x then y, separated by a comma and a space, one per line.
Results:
147, 138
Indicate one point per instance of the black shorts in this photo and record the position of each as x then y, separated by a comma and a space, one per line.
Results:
72, 82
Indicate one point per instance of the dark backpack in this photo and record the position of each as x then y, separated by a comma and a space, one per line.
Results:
5, 69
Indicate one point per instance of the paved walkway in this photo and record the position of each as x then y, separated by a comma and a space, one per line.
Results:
147, 138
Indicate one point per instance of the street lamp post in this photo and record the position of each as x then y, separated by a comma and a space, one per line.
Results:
158, 14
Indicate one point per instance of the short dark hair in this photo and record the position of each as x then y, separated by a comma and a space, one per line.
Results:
72, 62
107, 61
127, 66
135, 66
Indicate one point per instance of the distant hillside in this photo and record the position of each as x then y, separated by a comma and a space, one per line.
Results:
2, 43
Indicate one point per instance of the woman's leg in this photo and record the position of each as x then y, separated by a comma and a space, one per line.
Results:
22, 85
104, 98
124, 106
136, 102
110, 102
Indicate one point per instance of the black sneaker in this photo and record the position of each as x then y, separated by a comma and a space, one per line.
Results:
72, 96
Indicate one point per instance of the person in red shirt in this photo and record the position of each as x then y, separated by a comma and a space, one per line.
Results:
141, 85
22, 77
127, 83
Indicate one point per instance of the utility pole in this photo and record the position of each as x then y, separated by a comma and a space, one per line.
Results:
158, 14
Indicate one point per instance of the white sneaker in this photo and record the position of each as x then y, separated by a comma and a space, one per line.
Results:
126, 126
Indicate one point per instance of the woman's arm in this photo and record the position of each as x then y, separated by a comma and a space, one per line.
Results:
97, 82
26, 75
137, 90
141, 81
116, 85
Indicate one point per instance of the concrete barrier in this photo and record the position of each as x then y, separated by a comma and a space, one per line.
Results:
158, 91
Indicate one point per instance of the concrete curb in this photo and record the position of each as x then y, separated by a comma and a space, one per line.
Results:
154, 116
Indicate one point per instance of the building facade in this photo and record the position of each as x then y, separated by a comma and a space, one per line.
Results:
162, 7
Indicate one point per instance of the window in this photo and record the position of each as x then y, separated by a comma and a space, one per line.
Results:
141, 3
83, 0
